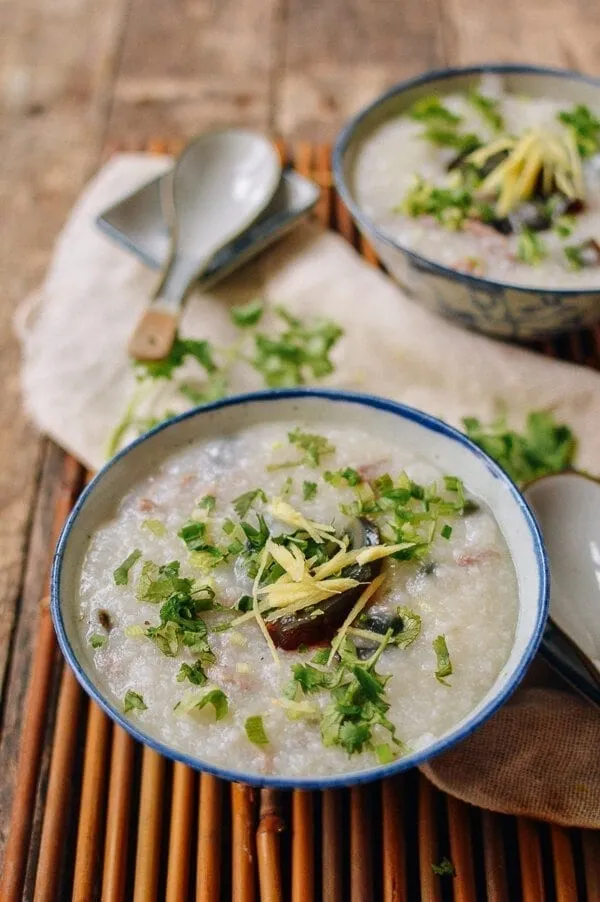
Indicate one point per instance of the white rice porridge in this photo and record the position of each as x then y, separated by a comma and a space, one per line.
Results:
457, 577
544, 231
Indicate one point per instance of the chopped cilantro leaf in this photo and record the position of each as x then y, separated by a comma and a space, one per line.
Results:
156, 527
530, 248
383, 484
585, 127
309, 679
256, 536
574, 256
201, 351
309, 490
244, 502
444, 664
301, 351
245, 315
340, 478
444, 869
487, 107
446, 531
180, 622
321, 656
192, 672
385, 753
156, 583
430, 110
193, 534
450, 206
214, 697
448, 137
133, 701
545, 446
206, 557
411, 628
564, 226
255, 730
314, 446
98, 641
208, 503
121, 574
244, 604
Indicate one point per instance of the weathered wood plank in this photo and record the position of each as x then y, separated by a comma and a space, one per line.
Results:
552, 33
56, 62
191, 64
339, 55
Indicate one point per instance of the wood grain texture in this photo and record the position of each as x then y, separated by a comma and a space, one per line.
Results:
394, 841
53, 94
195, 64
530, 857
494, 860
93, 803
361, 48
117, 816
550, 33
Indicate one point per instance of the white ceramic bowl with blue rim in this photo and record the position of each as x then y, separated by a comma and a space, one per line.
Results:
422, 434
497, 308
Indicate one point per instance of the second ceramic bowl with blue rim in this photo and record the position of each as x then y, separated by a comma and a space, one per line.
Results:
497, 308
422, 434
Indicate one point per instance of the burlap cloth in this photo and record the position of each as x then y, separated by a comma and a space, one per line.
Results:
539, 754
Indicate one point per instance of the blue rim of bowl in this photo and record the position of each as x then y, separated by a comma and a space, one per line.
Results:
356, 777
421, 262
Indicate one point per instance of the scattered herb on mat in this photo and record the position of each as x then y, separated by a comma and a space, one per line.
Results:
444, 869
544, 447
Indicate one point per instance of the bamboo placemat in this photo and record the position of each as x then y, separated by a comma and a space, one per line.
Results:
110, 820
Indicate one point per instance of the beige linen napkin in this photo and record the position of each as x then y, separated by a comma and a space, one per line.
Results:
76, 380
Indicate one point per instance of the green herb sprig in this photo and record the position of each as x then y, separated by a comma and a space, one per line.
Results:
544, 447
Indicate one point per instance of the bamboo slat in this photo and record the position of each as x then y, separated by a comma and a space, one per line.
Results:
208, 878
331, 845
590, 841
59, 787
117, 816
92, 803
428, 843
494, 858
530, 856
564, 866
35, 713
361, 847
461, 851
268, 846
147, 860
303, 854
180, 832
243, 850
394, 848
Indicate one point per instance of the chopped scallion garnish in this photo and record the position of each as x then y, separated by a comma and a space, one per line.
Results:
255, 730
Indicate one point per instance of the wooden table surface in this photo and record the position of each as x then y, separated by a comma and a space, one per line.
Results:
81, 75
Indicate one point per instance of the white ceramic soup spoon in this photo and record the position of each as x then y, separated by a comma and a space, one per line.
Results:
221, 183
567, 507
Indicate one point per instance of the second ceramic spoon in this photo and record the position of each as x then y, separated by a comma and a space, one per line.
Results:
221, 183
567, 508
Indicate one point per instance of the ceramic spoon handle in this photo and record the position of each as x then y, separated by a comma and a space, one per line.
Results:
156, 330
570, 662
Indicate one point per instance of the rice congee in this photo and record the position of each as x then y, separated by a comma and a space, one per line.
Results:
495, 184
287, 603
